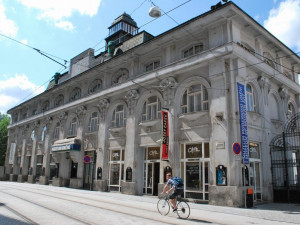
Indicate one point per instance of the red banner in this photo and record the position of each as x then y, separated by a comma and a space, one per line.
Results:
165, 135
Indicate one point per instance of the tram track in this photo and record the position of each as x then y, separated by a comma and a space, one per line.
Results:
109, 205
25, 218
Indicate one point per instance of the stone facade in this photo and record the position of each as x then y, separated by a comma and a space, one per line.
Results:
113, 109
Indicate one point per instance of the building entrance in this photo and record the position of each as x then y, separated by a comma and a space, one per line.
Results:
89, 171
151, 170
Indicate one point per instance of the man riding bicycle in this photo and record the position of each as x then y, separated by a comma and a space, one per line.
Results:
176, 187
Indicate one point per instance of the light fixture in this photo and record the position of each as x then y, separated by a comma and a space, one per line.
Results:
155, 12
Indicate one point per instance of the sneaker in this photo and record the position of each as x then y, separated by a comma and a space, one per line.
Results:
174, 210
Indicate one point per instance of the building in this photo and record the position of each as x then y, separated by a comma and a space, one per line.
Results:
99, 126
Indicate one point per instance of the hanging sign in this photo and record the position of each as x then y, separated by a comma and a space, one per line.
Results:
165, 135
243, 120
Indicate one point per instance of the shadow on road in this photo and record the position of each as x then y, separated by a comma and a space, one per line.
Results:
196, 220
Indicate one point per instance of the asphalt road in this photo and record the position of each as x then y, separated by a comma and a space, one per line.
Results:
23, 203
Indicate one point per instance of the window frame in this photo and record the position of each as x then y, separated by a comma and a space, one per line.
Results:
119, 117
151, 115
250, 96
187, 97
93, 125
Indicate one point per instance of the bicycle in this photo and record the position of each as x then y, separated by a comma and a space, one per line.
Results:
163, 207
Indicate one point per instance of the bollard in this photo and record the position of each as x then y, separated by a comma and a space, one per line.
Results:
249, 198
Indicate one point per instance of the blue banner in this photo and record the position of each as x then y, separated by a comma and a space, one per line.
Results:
243, 120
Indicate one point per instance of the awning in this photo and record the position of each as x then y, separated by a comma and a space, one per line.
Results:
70, 144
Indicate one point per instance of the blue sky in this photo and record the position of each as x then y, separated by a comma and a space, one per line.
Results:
66, 28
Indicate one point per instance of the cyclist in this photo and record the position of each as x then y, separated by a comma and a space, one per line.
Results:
176, 187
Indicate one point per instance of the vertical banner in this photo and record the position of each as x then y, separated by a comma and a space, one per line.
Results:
243, 120
12, 153
165, 135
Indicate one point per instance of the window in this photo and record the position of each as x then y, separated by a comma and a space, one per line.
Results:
193, 50
93, 123
59, 101
44, 133
195, 99
32, 136
56, 131
119, 117
151, 109
250, 99
75, 94
95, 86
73, 127
291, 110
45, 106
268, 59
152, 66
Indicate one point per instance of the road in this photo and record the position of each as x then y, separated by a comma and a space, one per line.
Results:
23, 203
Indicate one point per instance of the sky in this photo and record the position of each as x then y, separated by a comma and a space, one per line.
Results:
64, 29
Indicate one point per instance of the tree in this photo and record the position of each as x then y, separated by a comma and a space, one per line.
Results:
4, 122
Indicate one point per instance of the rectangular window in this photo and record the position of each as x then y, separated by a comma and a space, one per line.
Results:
254, 151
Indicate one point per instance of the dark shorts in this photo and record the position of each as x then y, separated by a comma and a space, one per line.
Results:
176, 193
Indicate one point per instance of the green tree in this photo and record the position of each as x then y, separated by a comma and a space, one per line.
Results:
4, 122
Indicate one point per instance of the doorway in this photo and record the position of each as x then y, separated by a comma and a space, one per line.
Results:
89, 171
151, 170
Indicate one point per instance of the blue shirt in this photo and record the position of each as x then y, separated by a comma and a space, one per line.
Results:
173, 184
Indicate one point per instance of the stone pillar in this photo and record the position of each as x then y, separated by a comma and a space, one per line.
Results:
131, 154
102, 153
32, 175
44, 178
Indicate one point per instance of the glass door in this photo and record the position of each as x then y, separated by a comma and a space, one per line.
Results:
151, 170
116, 169
194, 170
254, 174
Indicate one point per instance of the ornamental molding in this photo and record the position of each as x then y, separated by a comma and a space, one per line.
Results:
131, 98
102, 108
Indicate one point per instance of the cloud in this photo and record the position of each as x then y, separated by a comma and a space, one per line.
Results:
65, 25
7, 27
57, 11
284, 23
14, 90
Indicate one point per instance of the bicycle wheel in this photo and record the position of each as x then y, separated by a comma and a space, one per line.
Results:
183, 210
163, 207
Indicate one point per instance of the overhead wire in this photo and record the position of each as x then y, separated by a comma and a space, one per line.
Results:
164, 13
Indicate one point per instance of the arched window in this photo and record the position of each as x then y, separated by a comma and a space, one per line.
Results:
32, 136
73, 127
45, 106
95, 86
251, 105
118, 117
195, 99
291, 110
44, 133
93, 122
193, 50
151, 109
56, 131
75, 94
59, 101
